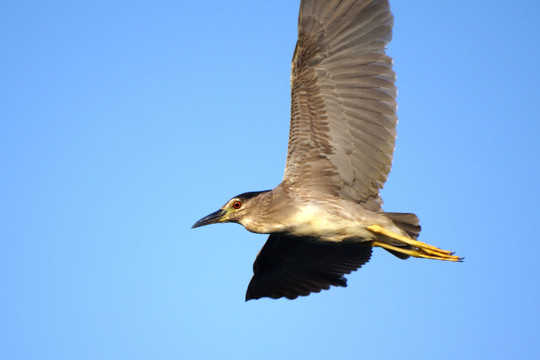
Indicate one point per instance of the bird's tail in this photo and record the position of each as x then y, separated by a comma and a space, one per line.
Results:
407, 222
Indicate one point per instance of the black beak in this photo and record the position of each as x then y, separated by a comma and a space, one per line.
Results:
210, 219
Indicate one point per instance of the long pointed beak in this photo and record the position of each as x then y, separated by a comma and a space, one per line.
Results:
213, 218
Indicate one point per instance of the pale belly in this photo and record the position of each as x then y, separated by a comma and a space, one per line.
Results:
328, 226
327, 222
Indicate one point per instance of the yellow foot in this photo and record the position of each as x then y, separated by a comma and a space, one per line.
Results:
420, 249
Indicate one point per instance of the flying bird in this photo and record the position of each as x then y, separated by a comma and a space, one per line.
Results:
325, 216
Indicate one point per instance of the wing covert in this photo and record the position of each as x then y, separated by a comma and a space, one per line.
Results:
289, 266
343, 108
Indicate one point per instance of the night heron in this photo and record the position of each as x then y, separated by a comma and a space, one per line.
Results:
325, 216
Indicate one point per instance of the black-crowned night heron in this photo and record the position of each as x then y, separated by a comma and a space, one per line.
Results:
325, 216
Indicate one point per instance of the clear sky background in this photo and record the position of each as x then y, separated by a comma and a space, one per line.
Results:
122, 123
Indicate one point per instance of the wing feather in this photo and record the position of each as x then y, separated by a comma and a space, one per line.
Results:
343, 108
289, 266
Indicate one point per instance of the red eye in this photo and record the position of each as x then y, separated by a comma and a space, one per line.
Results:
237, 205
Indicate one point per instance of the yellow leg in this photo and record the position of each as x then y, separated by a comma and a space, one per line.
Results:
422, 250
416, 253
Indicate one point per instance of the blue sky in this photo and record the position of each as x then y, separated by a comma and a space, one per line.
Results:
125, 122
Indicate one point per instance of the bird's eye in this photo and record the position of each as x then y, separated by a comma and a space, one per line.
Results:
237, 204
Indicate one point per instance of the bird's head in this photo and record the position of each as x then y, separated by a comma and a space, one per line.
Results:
238, 209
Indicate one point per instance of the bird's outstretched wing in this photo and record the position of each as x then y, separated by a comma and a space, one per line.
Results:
343, 110
289, 266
